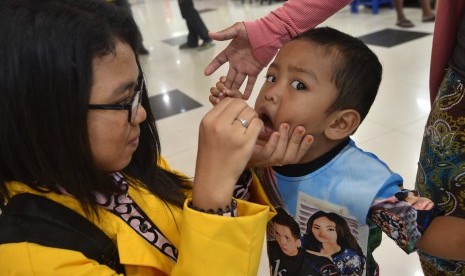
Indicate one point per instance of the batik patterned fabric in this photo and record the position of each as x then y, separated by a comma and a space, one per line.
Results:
441, 170
123, 206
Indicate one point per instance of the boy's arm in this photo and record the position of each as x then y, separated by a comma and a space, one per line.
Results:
404, 217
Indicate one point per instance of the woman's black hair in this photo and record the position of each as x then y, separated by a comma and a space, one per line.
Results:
46, 53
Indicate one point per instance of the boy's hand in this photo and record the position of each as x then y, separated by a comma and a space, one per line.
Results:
419, 203
220, 91
281, 149
412, 197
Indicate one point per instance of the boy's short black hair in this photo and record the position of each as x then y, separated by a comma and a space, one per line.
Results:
356, 69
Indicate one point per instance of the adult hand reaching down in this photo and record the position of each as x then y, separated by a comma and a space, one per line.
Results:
254, 43
238, 53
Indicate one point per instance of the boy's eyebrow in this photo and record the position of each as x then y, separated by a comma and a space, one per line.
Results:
273, 65
293, 68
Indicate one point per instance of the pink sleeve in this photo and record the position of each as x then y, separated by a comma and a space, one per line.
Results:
448, 17
268, 34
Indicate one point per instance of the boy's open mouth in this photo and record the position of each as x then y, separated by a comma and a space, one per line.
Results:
268, 128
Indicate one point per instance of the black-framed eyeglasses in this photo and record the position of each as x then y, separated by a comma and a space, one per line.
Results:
132, 106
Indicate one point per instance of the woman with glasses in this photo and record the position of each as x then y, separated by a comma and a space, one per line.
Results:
83, 189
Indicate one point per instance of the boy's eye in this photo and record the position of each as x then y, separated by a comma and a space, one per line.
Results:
270, 78
298, 85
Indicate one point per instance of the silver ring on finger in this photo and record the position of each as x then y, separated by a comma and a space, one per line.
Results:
244, 122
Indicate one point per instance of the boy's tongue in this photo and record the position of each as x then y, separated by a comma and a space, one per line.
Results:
266, 131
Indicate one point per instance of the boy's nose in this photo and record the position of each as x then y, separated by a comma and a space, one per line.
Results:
273, 94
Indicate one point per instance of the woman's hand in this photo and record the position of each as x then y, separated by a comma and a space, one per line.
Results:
225, 147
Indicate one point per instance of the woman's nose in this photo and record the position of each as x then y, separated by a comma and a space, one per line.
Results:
141, 115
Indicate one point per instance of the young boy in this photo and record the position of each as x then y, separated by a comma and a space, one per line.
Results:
326, 81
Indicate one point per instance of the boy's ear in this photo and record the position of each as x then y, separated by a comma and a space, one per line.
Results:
343, 123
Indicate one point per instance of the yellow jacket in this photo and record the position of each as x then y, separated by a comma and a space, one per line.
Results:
208, 244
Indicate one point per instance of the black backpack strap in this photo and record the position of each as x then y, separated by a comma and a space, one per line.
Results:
32, 218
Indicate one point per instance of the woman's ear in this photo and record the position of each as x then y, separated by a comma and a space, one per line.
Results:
342, 124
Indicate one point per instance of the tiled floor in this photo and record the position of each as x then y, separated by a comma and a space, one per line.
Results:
392, 130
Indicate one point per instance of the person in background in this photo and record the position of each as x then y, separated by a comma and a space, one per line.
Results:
77, 134
403, 22
444, 240
441, 162
142, 50
196, 27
